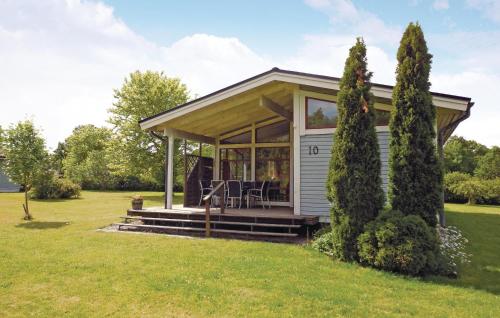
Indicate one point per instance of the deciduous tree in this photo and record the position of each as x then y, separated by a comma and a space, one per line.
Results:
143, 94
25, 151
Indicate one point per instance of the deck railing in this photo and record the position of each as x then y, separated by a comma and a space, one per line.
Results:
208, 199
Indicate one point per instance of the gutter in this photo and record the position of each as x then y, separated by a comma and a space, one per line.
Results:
441, 134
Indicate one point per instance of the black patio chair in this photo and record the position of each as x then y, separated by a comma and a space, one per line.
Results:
261, 194
234, 191
205, 189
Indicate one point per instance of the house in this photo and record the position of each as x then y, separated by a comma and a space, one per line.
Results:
279, 125
5, 184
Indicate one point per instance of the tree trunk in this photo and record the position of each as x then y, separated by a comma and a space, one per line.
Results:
27, 215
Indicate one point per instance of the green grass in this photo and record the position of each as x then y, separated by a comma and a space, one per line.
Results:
60, 265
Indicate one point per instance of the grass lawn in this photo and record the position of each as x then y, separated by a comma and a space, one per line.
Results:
60, 265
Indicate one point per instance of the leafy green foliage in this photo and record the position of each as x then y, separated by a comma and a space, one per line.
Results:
135, 152
86, 162
488, 166
53, 187
462, 155
400, 243
415, 172
25, 151
461, 187
451, 181
476, 189
323, 241
354, 183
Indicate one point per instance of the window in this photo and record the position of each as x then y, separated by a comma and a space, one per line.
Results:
277, 132
382, 117
320, 113
235, 164
273, 164
244, 138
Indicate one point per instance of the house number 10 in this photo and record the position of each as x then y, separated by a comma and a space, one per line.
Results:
313, 150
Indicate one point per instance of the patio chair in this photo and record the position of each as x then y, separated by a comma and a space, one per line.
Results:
217, 195
261, 194
234, 191
205, 189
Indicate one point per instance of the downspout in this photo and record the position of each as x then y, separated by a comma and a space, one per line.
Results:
163, 140
441, 134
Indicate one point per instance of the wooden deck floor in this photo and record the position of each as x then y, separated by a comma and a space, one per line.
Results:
274, 211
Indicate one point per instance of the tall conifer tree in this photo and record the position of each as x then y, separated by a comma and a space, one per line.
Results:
415, 171
354, 182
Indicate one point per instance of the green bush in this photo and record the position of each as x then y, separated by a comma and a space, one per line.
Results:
451, 182
323, 241
402, 244
53, 187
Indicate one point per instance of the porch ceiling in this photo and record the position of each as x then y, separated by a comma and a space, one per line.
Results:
233, 113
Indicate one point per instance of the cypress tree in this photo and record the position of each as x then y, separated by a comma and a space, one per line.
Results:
354, 182
415, 170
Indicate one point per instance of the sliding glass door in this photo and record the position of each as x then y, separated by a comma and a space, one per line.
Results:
235, 164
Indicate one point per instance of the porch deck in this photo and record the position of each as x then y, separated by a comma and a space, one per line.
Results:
273, 224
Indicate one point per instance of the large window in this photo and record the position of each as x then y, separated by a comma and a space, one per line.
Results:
235, 164
323, 114
273, 164
382, 117
244, 138
320, 113
277, 132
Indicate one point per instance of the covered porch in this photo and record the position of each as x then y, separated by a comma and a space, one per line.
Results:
249, 139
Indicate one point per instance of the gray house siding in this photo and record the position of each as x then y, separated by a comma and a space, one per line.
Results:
314, 161
6, 185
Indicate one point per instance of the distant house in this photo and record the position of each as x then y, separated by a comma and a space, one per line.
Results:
5, 184
279, 126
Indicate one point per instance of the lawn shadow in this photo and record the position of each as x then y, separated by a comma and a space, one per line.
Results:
36, 225
483, 273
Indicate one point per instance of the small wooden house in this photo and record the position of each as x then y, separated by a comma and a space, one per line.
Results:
279, 126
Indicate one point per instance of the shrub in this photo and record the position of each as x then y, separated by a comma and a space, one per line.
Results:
323, 241
451, 181
55, 188
66, 189
402, 244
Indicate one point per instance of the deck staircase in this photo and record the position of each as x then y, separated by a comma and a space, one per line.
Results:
277, 228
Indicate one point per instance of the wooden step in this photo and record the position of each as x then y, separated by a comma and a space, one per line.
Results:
195, 229
294, 226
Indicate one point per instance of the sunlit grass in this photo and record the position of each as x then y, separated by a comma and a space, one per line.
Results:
59, 265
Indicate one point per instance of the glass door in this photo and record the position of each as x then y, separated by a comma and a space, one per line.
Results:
235, 164
273, 164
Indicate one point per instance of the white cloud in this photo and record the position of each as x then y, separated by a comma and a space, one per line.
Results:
62, 59
489, 8
440, 4
347, 19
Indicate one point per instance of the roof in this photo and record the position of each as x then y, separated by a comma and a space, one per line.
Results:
276, 70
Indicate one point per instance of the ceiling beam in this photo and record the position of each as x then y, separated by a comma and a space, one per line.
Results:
190, 136
275, 108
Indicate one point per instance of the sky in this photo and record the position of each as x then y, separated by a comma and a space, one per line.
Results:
60, 60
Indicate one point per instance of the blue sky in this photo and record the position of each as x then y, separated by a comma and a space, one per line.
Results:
61, 59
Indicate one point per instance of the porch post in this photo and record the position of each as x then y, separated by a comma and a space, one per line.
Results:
170, 173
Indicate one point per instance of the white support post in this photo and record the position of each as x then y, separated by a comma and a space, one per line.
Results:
296, 152
170, 171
